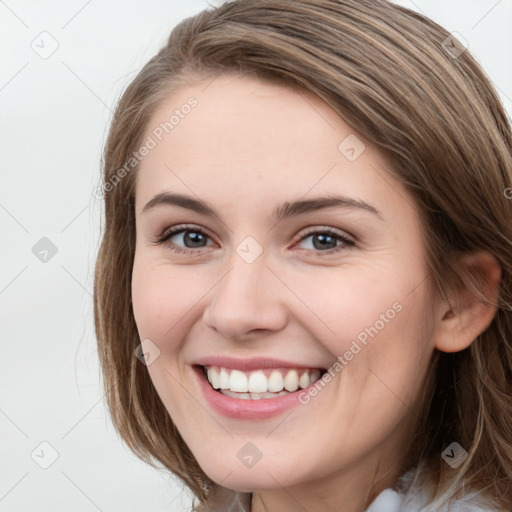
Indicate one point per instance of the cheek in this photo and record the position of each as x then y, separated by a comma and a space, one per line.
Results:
164, 296
343, 304
163, 299
374, 318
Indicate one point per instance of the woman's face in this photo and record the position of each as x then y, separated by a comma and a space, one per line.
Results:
277, 273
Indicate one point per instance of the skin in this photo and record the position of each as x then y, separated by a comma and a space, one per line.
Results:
247, 147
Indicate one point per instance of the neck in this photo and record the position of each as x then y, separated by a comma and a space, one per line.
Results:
351, 489
354, 496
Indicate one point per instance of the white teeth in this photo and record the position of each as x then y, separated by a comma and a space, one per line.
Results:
252, 396
291, 381
233, 394
223, 378
275, 382
256, 385
258, 382
238, 381
304, 381
213, 377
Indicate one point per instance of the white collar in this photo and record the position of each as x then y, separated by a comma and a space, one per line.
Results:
387, 501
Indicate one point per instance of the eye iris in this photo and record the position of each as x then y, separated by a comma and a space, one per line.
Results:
325, 239
194, 237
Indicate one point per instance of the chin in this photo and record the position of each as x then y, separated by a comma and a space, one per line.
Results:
249, 479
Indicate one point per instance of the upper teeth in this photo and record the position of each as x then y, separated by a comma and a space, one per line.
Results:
261, 381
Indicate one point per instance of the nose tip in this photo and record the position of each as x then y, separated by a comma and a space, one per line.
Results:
246, 300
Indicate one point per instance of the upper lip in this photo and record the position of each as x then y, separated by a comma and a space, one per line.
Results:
247, 364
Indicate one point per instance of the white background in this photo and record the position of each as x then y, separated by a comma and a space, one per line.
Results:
53, 123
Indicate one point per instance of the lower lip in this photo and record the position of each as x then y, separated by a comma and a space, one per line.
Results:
247, 409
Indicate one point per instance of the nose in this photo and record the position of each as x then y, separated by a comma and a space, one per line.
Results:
247, 301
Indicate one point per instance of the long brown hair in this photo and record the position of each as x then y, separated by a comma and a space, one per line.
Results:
406, 84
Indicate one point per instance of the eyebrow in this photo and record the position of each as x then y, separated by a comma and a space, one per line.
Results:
283, 211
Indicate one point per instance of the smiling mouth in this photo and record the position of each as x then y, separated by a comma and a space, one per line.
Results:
259, 384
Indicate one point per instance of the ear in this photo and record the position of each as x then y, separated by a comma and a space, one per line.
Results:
462, 321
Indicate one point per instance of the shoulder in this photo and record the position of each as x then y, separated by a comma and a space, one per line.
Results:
414, 497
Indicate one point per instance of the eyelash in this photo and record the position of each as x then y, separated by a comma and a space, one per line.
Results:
161, 239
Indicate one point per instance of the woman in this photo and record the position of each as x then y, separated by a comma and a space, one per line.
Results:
302, 296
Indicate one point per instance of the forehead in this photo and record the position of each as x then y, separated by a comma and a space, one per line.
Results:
247, 114
257, 139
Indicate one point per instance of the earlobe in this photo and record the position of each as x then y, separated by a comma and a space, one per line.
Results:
469, 315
